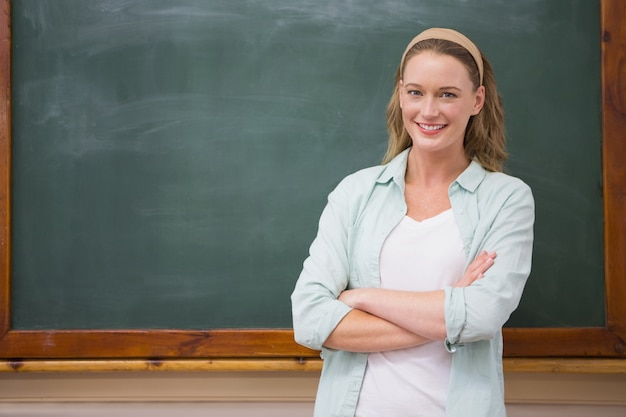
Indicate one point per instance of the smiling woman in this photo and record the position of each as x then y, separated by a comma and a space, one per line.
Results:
402, 290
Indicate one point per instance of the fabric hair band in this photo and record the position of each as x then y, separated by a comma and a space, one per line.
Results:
447, 35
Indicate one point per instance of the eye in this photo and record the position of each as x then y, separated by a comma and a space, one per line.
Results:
448, 95
414, 92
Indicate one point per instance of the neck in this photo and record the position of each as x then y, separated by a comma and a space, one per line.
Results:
432, 171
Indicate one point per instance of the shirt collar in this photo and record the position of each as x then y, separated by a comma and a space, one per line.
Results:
469, 179
395, 169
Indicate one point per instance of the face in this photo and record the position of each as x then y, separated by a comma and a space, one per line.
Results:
437, 99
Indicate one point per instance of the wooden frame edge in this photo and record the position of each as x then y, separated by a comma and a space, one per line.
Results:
613, 47
5, 165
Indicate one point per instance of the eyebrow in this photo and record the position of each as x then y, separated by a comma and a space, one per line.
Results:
448, 87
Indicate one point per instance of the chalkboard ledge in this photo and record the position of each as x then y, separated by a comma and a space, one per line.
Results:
511, 365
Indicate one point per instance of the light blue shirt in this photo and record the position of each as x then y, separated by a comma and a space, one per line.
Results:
494, 212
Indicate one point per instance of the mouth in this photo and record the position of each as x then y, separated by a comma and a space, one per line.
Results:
431, 128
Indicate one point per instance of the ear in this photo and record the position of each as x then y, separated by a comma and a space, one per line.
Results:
479, 100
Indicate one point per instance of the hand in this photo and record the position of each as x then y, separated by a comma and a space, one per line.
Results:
476, 269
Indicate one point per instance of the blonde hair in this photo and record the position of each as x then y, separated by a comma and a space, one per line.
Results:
485, 134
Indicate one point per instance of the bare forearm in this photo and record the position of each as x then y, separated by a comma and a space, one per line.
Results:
420, 313
363, 332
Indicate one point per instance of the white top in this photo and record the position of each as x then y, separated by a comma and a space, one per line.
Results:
416, 256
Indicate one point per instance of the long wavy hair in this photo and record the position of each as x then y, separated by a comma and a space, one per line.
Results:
485, 133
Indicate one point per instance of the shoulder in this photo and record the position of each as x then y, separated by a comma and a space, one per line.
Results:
476, 179
356, 187
366, 178
369, 187
499, 190
494, 189
499, 182
363, 177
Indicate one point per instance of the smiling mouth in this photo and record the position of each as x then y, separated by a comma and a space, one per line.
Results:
431, 128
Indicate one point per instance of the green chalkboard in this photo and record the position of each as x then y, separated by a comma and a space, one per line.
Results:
171, 158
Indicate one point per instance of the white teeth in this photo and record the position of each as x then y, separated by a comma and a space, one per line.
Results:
431, 127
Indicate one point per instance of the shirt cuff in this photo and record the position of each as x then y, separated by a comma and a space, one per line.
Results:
328, 322
455, 315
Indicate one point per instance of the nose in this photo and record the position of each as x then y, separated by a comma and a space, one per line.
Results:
430, 109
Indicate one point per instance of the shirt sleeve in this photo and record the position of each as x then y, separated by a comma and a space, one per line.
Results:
315, 308
479, 311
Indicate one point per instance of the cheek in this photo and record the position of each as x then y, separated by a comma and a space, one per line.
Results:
459, 113
407, 116
408, 109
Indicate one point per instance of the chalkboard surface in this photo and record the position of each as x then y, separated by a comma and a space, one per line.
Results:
170, 159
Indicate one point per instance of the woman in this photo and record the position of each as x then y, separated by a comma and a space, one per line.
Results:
402, 291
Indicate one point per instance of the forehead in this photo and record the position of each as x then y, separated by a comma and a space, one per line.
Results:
428, 66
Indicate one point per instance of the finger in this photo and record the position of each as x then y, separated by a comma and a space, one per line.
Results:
478, 263
483, 267
478, 270
485, 258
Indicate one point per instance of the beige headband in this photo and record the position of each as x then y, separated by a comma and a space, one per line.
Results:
447, 35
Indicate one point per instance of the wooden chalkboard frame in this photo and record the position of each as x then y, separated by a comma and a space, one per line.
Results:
277, 344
